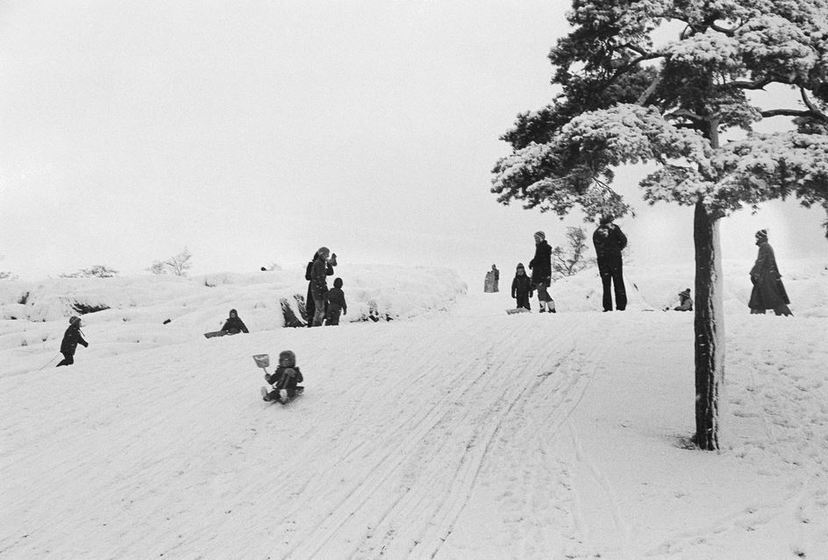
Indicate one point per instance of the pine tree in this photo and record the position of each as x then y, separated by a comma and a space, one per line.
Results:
626, 99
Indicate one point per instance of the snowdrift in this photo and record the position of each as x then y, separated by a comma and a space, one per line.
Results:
120, 314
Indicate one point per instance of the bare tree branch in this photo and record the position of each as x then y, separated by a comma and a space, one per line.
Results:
741, 84
810, 104
720, 29
786, 113
645, 95
686, 114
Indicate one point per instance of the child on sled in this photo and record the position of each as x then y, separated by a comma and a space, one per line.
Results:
285, 380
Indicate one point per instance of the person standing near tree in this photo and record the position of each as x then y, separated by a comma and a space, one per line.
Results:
609, 241
71, 338
768, 291
541, 266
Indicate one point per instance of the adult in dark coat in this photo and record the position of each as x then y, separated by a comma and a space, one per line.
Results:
321, 269
310, 305
71, 338
541, 266
609, 241
768, 291
234, 324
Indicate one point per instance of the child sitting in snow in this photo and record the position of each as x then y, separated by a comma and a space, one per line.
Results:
685, 301
285, 380
522, 287
234, 324
335, 303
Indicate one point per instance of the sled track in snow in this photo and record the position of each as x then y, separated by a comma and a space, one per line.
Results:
414, 489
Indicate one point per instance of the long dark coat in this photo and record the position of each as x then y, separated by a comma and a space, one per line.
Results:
541, 264
310, 306
768, 290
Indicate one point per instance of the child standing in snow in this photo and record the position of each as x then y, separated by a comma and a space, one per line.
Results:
285, 380
71, 338
522, 288
335, 303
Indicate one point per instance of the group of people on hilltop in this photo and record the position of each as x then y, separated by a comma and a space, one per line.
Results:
609, 241
325, 306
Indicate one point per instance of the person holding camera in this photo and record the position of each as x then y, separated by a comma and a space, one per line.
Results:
322, 267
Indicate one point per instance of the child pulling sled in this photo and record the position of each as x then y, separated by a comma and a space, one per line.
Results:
284, 382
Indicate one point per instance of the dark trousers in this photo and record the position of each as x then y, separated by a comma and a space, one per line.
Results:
68, 360
332, 315
611, 270
523, 300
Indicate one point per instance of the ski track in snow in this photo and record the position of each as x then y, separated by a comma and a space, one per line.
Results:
445, 437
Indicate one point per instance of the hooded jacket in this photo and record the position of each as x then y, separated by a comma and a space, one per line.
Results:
71, 338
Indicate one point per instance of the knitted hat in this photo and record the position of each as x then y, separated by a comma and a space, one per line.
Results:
288, 357
685, 292
323, 251
762, 235
539, 236
520, 267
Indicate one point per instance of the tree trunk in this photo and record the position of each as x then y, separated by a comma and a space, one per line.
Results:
709, 327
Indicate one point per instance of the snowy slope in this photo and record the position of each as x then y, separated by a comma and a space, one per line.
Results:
464, 433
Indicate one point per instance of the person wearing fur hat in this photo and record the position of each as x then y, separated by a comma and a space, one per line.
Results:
522, 288
322, 267
768, 291
335, 301
284, 382
685, 301
71, 338
234, 324
609, 241
541, 265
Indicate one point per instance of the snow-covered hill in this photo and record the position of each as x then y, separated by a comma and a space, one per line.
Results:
456, 432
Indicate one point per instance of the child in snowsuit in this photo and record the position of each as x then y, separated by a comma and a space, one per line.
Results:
335, 303
234, 324
522, 288
71, 338
685, 301
285, 380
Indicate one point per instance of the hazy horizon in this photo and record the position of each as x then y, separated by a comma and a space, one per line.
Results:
255, 133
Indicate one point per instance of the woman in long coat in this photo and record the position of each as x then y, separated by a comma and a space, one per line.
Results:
541, 266
768, 291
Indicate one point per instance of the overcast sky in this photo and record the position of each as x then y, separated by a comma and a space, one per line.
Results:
254, 132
